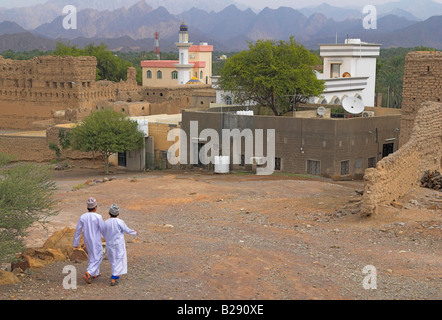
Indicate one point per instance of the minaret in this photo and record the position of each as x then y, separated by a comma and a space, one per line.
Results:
183, 45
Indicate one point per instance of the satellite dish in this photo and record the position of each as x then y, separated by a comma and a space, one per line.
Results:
353, 105
321, 111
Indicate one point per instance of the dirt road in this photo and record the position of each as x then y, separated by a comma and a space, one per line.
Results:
239, 236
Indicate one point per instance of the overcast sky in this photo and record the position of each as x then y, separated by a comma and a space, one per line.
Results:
258, 4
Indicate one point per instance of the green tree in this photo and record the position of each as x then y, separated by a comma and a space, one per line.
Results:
107, 132
26, 192
273, 74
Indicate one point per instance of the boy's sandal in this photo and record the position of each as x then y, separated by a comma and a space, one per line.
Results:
95, 277
87, 278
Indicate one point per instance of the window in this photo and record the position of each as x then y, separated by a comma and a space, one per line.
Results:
387, 149
345, 167
174, 74
314, 167
159, 75
277, 164
149, 74
201, 74
229, 101
335, 70
371, 162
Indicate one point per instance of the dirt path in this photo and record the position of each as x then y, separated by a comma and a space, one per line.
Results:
205, 236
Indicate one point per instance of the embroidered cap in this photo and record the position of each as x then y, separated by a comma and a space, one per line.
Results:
91, 203
114, 210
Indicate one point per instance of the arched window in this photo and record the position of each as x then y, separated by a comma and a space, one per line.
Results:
149, 74
201, 74
335, 101
229, 100
159, 75
174, 74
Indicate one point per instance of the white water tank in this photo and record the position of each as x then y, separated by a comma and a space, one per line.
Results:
245, 113
222, 164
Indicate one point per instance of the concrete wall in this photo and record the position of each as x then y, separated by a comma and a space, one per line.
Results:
395, 175
329, 141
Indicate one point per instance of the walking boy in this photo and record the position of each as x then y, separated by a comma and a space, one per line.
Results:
114, 230
92, 225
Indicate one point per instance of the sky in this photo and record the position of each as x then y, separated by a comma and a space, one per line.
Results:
258, 4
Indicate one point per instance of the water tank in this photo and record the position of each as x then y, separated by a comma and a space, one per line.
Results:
222, 164
245, 113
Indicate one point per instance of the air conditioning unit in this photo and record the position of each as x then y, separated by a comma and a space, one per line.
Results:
259, 160
366, 114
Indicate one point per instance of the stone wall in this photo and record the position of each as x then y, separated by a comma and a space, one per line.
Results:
396, 174
422, 82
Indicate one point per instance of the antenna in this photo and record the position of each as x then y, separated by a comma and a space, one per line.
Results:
353, 105
321, 111
157, 45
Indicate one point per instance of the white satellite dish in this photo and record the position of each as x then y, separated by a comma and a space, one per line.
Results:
353, 105
321, 111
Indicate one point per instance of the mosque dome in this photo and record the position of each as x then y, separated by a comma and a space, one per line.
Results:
183, 27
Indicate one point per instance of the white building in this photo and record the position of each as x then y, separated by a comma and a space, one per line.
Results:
349, 70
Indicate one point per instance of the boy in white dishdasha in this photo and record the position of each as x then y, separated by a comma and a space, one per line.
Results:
92, 225
114, 230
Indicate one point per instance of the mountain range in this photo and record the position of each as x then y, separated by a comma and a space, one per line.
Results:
133, 28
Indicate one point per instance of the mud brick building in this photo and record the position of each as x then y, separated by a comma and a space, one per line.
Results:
31, 90
422, 82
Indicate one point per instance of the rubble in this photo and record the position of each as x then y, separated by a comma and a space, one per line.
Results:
432, 180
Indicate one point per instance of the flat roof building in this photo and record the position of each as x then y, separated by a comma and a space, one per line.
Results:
349, 70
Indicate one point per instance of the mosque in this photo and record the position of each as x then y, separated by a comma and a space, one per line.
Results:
193, 67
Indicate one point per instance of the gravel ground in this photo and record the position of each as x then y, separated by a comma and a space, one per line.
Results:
243, 237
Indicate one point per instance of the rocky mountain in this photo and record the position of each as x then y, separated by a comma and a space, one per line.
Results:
409, 9
332, 12
422, 9
8, 27
139, 21
25, 41
34, 16
133, 28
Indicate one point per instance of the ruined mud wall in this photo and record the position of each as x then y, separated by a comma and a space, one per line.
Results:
31, 90
396, 174
422, 82
26, 148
